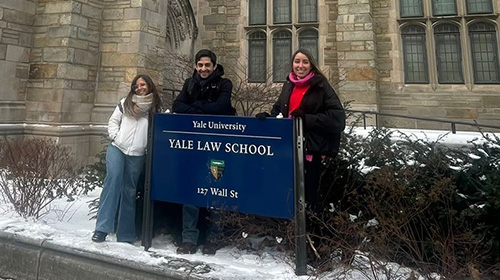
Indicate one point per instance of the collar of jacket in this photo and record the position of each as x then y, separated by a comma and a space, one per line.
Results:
218, 72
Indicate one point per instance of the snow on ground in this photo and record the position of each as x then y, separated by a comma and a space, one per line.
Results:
67, 224
459, 139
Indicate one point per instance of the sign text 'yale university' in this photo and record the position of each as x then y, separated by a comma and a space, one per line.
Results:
232, 163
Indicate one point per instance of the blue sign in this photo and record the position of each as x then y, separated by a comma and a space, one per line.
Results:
232, 163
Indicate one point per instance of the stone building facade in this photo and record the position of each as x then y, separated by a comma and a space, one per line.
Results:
64, 64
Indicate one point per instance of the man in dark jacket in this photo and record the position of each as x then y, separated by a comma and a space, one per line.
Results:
206, 92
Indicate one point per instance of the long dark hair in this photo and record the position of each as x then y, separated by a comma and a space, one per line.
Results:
314, 67
155, 106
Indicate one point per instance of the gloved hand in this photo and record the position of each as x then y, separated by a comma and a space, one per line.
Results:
299, 113
262, 115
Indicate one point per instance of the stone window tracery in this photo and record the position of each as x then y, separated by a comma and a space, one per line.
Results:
449, 41
275, 29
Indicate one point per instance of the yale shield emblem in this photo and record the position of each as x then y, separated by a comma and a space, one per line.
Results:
217, 168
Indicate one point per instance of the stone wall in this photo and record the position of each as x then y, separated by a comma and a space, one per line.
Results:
64, 61
16, 28
357, 54
465, 102
65, 64
63, 71
132, 42
329, 13
220, 30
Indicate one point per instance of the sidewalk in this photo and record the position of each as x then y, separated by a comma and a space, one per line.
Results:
23, 258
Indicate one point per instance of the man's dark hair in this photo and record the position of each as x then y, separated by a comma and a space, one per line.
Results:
206, 53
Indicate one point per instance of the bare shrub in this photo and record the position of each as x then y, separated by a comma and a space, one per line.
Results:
416, 203
249, 232
34, 172
92, 175
250, 98
176, 69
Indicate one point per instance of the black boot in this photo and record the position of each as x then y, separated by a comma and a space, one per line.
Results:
99, 236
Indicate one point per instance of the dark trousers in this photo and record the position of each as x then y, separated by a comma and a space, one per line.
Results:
312, 172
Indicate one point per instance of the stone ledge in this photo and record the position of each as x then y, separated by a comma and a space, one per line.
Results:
28, 258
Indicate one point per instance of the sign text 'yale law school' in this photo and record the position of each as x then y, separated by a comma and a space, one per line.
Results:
233, 163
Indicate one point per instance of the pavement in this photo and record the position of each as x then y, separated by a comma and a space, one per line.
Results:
23, 258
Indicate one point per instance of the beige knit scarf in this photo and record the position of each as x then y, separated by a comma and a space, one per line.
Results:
143, 103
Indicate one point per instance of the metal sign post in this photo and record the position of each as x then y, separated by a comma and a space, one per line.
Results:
300, 203
232, 163
239, 164
147, 212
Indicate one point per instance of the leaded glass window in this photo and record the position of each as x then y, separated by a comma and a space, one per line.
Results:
448, 54
282, 12
479, 6
444, 7
282, 52
271, 33
308, 39
411, 8
257, 57
415, 54
308, 10
484, 50
257, 12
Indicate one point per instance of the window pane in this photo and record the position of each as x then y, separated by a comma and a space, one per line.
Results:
308, 39
257, 57
479, 6
444, 7
484, 53
414, 55
308, 10
411, 8
281, 11
257, 13
448, 54
282, 52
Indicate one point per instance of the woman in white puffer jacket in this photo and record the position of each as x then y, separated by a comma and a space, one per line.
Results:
125, 158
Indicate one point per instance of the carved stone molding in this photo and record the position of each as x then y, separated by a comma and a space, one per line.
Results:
181, 23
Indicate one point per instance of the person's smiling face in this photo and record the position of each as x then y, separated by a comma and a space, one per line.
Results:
205, 67
301, 65
141, 87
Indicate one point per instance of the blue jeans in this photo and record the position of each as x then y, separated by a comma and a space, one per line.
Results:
190, 231
117, 202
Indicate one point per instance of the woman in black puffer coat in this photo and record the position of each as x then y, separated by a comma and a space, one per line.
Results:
308, 95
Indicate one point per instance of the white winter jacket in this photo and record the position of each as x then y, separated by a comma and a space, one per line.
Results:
127, 133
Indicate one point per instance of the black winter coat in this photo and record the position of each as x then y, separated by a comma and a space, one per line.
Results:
324, 115
213, 99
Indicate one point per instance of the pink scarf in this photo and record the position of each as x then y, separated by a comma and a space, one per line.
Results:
300, 82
